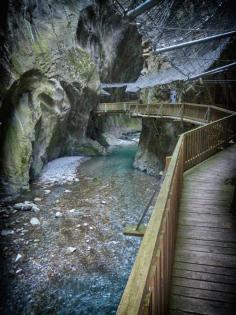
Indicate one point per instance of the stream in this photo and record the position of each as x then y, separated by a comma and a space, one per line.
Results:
76, 260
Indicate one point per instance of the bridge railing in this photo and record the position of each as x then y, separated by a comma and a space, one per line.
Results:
147, 290
195, 113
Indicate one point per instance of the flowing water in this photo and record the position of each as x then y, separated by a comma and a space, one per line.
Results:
77, 263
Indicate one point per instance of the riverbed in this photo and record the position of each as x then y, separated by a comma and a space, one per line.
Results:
76, 260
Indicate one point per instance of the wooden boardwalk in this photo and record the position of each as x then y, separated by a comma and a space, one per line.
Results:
204, 271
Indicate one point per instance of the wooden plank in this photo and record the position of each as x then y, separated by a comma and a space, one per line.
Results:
210, 224
132, 230
206, 248
203, 234
206, 269
217, 243
204, 285
200, 306
197, 275
201, 210
226, 221
210, 259
204, 294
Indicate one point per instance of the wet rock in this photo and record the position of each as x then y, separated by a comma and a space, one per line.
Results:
67, 191
26, 206
37, 199
58, 215
18, 271
70, 250
157, 140
22, 206
34, 221
47, 191
7, 232
18, 257
35, 208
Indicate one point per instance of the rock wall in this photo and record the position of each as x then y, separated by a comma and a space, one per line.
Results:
113, 42
104, 128
53, 54
158, 140
49, 86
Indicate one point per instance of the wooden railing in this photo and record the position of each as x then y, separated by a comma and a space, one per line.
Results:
196, 113
147, 290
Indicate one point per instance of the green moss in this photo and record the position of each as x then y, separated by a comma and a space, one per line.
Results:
41, 46
15, 65
88, 150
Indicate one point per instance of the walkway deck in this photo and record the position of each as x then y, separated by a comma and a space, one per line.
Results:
204, 273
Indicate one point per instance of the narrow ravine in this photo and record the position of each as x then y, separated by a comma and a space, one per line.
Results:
76, 260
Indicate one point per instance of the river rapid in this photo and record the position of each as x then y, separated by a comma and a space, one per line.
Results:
76, 260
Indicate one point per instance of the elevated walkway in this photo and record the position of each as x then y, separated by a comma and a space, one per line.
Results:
198, 114
204, 271
194, 204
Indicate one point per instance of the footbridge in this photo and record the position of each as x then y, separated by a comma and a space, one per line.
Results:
198, 114
186, 263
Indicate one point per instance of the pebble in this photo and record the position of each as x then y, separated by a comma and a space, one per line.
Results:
37, 199
91, 228
34, 221
103, 202
18, 271
47, 191
72, 210
67, 191
85, 224
18, 257
23, 206
26, 206
7, 232
70, 250
58, 215
35, 209
161, 173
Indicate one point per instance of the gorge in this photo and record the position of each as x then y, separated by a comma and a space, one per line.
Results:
71, 177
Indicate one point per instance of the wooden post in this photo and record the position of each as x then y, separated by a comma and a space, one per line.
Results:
167, 162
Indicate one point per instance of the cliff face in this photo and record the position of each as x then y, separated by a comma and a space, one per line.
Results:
158, 140
52, 56
165, 77
114, 43
49, 87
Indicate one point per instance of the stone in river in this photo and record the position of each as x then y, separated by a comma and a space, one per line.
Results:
70, 250
34, 221
7, 232
58, 214
18, 257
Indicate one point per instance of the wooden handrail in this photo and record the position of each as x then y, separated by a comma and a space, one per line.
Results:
193, 113
147, 289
